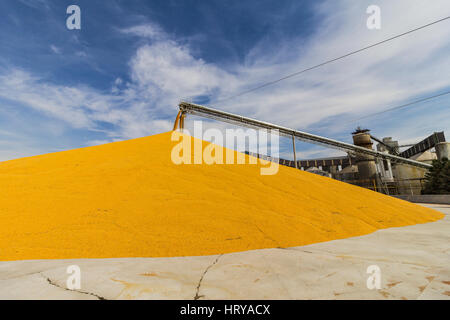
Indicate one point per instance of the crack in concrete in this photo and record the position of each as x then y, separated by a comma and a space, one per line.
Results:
197, 296
82, 292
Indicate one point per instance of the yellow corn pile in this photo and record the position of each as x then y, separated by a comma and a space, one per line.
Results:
128, 199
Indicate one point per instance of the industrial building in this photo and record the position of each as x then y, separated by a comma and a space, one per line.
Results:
379, 174
387, 169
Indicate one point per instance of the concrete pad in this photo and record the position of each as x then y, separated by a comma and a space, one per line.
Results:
414, 263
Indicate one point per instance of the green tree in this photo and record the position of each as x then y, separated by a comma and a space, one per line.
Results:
437, 179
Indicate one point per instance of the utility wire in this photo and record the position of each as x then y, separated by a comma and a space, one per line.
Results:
330, 61
401, 106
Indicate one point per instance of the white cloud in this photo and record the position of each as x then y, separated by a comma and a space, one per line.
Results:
166, 72
55, 49
147, 30
97, 142
81, 107
370, 81
61, 102
81, 54
36, 4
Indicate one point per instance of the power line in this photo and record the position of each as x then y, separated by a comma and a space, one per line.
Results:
401, 106
330, 61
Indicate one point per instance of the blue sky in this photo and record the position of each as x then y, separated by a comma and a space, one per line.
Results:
122, 74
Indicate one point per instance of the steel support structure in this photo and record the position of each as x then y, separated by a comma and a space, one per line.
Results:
195, 109
295, 154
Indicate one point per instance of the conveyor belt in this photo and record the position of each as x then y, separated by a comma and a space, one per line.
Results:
195, 109
424, 145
